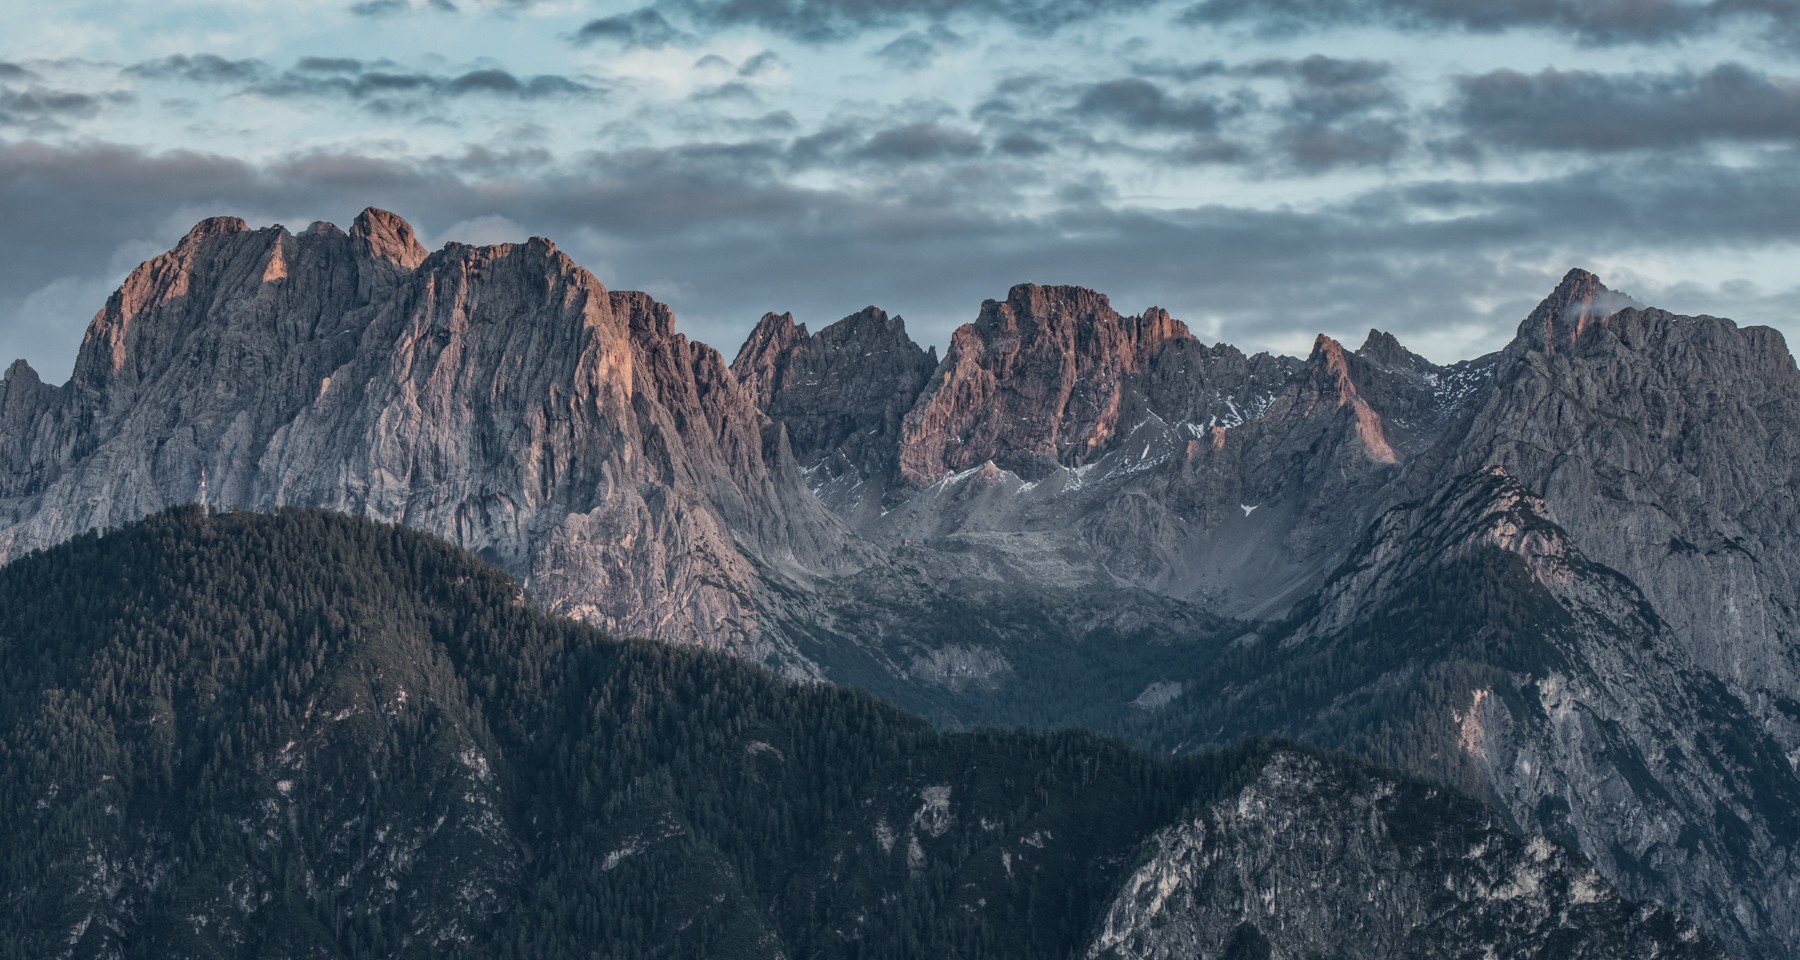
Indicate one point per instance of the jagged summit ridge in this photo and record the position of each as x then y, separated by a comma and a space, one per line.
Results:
499, 396
1047, 377
841, 395
380, 235
1579, 302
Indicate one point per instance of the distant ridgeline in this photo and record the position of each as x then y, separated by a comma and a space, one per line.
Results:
305, 735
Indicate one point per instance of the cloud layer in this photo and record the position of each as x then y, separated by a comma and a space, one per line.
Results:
1267, 170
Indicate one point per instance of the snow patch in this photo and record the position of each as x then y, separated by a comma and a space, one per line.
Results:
1158, 694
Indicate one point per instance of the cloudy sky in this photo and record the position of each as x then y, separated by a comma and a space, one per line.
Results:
1266, 169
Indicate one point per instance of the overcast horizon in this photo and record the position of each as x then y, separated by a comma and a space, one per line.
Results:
1265, 171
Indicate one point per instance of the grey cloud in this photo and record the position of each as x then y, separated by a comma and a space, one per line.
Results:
917, 142
13, 71
1319, 70
199, 68
379, 8
329, 65
823, 145
1337, 113
1136, 102
1035, 114
916, 49
401, 92
1575, 110
1020, 144
1208, 150
760, 64
37, 107
1327, 88
386, 8
828, 20
643, 27
1597, 22
483, 161
501, 82
890, 142
777, 121
736, 91
1322, 147
356, 79
910, 51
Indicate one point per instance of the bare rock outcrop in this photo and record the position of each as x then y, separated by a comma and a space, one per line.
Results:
1312, 856
1050, 377
841, 394
499, 396
1670, 448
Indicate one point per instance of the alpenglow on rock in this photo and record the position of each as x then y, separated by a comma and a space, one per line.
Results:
497, 396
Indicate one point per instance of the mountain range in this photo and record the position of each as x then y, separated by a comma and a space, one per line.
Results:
1561, 578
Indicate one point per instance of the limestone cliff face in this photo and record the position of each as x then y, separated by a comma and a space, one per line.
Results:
1586, 719
1127, 443
1670, 448
1053, 376
841, 394
1318, 859
498, 396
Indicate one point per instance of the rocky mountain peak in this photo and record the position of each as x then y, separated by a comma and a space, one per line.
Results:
869, 320
759, 360
214, 227
380, 235
840, 394
873, 331
1050, 375
498, 395
1329, 391
1578, 303
1036, 310
21, 395
1048, 305
1329, 354
1384, 350
20, 372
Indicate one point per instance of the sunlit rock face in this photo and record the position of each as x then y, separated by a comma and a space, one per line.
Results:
498, 396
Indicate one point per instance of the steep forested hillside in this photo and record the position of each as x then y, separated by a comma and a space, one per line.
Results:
303, 735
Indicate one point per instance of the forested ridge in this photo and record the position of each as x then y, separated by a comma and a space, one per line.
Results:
305, 735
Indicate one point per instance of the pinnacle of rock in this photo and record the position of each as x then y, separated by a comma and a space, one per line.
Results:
841, 393
214, 227
1385, 350
381, 235
1578, 303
